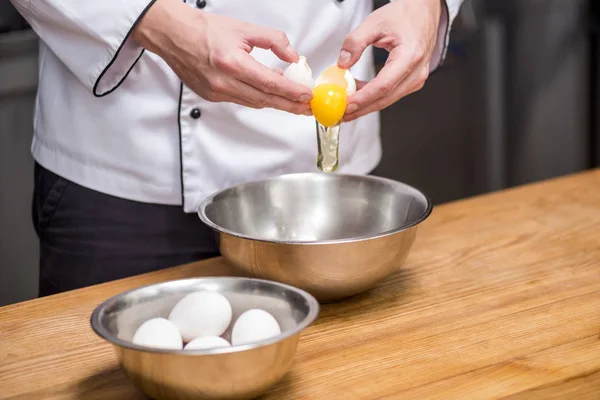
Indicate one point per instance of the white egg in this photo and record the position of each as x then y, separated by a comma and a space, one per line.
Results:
300, 72
253, 326
207, 342
158, 333
201, 314
342, 77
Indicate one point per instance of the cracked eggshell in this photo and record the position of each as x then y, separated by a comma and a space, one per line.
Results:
337, 76
300, 72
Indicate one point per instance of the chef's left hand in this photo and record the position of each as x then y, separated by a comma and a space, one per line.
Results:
408, 29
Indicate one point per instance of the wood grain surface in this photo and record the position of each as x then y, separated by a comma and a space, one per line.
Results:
499, 298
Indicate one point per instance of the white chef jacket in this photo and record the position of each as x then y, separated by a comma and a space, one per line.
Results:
116, 119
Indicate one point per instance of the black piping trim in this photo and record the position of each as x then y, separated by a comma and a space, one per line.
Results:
180, 144
446, 40
112, 61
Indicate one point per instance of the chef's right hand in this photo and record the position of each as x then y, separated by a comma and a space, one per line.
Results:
210, 54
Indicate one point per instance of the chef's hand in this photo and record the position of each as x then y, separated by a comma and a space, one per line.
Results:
210, 54
408, 30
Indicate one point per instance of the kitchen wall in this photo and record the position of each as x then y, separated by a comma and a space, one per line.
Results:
511, 105
18, 245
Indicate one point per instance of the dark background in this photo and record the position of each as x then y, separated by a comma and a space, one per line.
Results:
515, 102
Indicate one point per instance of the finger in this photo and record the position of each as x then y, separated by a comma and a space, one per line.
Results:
268, 81
410, 85
360, 84
274, 40
262, 100
357, 41
228, 98
307, 112
395, 71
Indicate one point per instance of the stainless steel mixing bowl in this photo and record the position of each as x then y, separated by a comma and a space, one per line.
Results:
238, 372
332, 235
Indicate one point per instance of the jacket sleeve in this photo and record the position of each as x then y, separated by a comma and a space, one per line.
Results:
450, 9
91, 37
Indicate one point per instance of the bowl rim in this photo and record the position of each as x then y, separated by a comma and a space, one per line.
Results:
426, 213
101, 331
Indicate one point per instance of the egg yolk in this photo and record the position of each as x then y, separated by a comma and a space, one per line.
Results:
328, 104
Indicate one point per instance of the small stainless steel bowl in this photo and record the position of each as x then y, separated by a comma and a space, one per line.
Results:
237, 372
332, 235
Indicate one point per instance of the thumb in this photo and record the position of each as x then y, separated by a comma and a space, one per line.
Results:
356, 42
274, 40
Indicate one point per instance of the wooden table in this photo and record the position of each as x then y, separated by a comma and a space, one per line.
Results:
500, 298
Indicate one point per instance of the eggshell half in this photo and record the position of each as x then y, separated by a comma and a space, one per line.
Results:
300, 72
337, 76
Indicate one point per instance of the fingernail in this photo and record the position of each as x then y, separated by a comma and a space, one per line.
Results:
344, 58
351, 108
305, 98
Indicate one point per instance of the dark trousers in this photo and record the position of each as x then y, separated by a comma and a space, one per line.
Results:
87, 237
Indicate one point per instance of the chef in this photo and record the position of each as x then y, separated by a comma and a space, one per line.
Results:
145, 107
